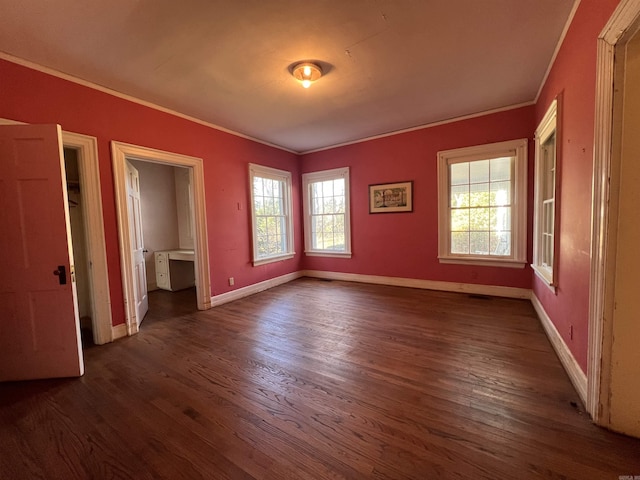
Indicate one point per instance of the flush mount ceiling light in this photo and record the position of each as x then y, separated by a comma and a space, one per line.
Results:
306, 73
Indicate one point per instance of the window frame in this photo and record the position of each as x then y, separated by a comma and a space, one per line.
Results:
547, 128
283, 176
321, 176
511, 148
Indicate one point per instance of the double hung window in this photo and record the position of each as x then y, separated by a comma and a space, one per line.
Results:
482, 204
544, 223
271, 214
326, 207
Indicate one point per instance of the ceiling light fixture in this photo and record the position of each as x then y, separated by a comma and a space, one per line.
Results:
306, 73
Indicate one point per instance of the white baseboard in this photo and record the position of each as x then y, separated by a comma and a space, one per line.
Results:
576, 375
251, 289
119, 331
493, 290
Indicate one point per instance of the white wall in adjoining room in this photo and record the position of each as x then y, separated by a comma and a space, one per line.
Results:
184, 199
159, 212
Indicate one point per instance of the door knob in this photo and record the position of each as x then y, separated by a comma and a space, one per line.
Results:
61, 273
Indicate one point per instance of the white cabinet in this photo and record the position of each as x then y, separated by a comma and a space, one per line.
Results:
175, 269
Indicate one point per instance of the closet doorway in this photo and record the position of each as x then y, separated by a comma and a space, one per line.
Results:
85, 151
79, 245
87, 234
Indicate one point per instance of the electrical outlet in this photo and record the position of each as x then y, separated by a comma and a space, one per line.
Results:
231, 281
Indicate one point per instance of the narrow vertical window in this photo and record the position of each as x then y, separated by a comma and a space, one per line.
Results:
326, 207
271, 214
544, 234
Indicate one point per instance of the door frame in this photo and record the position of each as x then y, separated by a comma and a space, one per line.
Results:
604, 218
91, 203
91, 200
120, 153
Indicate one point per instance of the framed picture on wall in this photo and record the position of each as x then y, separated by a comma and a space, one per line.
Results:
391, 197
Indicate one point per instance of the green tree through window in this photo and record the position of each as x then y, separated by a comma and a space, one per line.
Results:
270, 217
327, 215
271, 214
326, 209
480, 205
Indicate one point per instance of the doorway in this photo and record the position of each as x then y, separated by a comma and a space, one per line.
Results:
624, 381
613, 381
79, 245
122, 156
43, 330
166, 204
95, 278
85, 149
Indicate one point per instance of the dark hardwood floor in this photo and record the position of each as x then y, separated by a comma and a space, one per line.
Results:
315, 380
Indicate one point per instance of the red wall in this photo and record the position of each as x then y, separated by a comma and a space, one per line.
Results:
34, 97
574, 75
398, 245
406, 244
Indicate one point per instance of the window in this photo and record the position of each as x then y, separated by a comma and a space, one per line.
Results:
482, 196
271, 214
545, 197
326, 207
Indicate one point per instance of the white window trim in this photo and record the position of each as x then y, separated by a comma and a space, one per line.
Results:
515, 148
546, 128
280, 175
307, 180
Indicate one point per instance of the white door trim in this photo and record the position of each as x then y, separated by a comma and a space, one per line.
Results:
603, 229
120, 152
94, 231
91, 195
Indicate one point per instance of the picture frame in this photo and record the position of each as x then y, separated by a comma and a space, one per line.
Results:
391, 197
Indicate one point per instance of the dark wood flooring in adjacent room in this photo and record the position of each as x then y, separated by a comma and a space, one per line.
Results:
315, 380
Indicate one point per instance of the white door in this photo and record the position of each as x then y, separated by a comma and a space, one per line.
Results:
39, 327
137, 243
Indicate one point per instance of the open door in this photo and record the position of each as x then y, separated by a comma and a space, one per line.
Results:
39, 327
137, 243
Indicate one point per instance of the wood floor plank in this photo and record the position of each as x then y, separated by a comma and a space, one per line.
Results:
316, 380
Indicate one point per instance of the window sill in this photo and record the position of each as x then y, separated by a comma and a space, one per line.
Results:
327, 253
484, 262
278, 258
545, 276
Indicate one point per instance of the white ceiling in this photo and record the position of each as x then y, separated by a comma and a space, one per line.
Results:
391, 64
